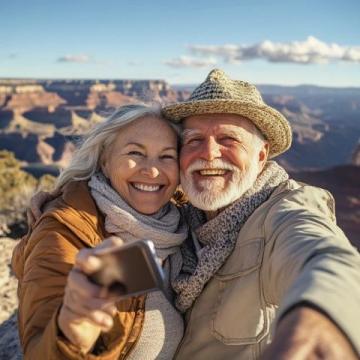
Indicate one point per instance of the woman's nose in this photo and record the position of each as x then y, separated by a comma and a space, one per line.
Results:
150, 171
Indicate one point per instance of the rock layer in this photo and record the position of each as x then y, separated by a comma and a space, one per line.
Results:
9, 340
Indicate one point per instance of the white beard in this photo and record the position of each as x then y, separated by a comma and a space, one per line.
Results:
211, 197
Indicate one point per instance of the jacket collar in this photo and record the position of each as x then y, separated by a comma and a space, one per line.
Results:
76, 209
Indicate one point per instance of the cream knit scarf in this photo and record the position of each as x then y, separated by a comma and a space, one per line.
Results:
163, 326
166, 228
218, 236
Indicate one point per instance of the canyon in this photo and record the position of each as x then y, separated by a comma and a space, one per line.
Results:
41, 122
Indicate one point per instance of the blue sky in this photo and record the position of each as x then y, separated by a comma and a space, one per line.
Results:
272, 42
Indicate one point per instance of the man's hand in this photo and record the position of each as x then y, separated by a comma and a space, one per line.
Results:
307, 334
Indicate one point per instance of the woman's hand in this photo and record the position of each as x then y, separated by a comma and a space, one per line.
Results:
87, 308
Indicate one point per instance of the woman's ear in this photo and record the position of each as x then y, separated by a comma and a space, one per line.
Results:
103, 165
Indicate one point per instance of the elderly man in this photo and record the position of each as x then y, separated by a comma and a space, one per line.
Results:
271, 265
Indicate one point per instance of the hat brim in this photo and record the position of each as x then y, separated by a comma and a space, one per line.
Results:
269, 121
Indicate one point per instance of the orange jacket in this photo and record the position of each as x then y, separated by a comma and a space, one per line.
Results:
42, 261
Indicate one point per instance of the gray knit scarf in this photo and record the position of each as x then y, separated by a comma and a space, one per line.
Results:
218, 236
166, 228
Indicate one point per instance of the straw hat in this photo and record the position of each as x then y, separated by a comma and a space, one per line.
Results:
220, 95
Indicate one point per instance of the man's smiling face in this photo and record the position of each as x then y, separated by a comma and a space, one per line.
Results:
220, 159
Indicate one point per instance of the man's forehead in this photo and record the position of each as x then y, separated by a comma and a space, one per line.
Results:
208, 122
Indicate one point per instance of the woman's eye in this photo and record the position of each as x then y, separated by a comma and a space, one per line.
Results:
173, 157
136, 153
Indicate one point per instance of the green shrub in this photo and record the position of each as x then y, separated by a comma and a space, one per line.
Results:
16, 190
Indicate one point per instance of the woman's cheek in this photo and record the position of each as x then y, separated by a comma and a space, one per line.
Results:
131, 164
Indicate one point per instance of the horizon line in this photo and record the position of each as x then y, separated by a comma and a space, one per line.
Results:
6, 78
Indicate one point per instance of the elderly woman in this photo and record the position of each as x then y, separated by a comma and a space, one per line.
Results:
120, 182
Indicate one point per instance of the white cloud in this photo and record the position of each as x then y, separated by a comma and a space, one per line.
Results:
186, 61
82, 59
310, 51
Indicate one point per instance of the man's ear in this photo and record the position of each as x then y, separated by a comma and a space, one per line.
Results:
263, 155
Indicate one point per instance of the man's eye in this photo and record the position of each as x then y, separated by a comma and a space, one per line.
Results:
228, 140
193, 141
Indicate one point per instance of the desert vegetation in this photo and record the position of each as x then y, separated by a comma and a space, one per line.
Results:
16, 189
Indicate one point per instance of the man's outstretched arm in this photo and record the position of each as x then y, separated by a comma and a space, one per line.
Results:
313, 272
305, 333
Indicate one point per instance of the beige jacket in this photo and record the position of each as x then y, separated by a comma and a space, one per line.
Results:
289, 251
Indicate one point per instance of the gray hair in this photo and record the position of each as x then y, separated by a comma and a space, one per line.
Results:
86, 160
259, 137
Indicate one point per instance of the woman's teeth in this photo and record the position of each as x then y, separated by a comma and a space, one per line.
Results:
207, 172
144, 187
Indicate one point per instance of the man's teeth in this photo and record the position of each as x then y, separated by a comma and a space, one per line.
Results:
147, 187
207, 172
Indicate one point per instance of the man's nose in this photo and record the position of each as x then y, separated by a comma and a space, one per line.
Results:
151, 171
210, 150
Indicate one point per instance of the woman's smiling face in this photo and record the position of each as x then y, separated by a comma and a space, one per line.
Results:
142, 164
